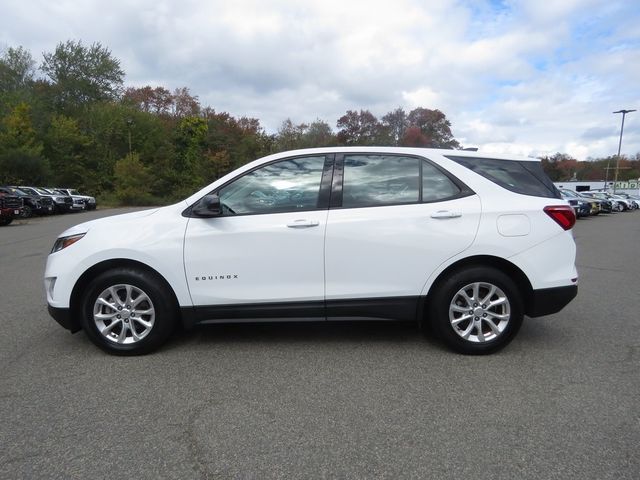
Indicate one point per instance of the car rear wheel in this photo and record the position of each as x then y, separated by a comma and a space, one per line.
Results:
128, 312
476, 311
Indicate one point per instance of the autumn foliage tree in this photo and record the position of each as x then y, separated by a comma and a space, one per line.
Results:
359, 128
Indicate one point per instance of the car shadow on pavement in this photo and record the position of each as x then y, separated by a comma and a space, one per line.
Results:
300, 332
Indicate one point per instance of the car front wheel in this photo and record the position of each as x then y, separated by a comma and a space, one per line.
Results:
26, 212
476, 311
128, 312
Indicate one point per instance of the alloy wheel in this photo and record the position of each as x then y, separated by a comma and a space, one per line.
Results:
124, 314
479, 312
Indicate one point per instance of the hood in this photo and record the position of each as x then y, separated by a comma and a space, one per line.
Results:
102, 222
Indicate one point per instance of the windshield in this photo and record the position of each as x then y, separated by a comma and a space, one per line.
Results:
42, 191
17, 192
570, 193
74, 192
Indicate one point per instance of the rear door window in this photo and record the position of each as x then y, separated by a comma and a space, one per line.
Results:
375, 180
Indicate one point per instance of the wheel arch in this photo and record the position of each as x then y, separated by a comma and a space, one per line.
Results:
75, 302
514, 272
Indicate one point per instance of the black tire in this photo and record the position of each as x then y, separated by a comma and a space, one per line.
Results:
161, 300
5, 221
27, 212
449, 290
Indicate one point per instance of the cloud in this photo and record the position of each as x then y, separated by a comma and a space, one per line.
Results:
513, 76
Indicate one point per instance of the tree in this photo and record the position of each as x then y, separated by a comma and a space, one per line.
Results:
21, 158
65, 147
190, 141
359, 128
560, 167
434, 126
82, 74
17, 69
396, 124
133, 181
157, 100
18, 132
19, 167
319, 134
185, 104
289, 136
413, 137
243, 139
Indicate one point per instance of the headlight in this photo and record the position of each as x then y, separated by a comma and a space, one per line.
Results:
60, 199
64, 242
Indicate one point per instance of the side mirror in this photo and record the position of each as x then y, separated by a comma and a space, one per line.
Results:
208, 206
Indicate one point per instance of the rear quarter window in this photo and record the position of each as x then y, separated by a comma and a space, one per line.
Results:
526, 178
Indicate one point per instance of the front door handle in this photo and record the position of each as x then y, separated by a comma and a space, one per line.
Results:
303, 223
441, 214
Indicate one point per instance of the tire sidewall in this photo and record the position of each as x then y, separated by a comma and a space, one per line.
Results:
165, 310
444, 294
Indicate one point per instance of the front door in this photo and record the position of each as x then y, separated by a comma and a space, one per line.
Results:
267, 246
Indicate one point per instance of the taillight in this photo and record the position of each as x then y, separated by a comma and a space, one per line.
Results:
563, 215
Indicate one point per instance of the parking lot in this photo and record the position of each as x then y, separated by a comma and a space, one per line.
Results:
326, 401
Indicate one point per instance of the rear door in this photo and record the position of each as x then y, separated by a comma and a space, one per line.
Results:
393, 220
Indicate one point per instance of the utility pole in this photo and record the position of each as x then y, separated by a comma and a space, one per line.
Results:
129, 124
624, 113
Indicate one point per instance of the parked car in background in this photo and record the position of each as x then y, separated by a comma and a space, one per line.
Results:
583, 206
89, 200
32, 205
465, 242
626, 203
46, 202
10, 208
605, 204
619, 205
61, 203
634, 200
78, 203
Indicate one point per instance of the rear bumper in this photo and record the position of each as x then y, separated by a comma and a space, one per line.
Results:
64, 318
550, 300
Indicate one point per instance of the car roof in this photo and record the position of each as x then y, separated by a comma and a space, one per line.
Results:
403, 150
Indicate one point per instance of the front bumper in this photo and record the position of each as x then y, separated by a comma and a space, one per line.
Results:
64, 318
546, 301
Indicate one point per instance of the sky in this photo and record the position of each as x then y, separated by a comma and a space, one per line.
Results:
526, 77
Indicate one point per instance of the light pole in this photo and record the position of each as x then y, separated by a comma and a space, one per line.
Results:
624, 113
129, 124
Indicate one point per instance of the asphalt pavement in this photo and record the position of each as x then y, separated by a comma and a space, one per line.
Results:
326, 401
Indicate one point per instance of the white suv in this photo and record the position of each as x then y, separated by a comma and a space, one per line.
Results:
464, 242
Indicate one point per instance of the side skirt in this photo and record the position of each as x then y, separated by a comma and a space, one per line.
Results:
392, 308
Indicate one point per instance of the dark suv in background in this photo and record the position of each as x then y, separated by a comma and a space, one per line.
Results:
61, 203
10, 207
32, 204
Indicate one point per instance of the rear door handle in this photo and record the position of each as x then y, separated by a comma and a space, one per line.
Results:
303, 223
442, 214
